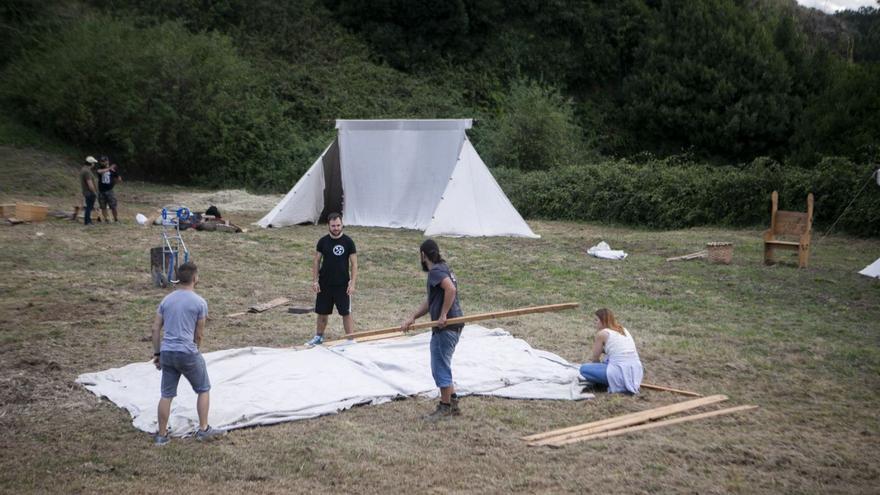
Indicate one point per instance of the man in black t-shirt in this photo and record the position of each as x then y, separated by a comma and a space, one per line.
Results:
108, 176
442, 304
334, 254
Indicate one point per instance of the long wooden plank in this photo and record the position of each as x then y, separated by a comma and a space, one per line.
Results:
669, 389
698, 254
467, 319
259, 308
648, 426
632, 418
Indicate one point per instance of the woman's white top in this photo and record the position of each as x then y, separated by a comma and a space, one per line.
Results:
624, 369
617, 345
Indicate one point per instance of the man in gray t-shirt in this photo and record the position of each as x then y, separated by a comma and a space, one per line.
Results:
182, 314
442, 304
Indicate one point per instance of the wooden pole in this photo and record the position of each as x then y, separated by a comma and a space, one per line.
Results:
622, 421
658, 424
460, 319
668, 389
698, 254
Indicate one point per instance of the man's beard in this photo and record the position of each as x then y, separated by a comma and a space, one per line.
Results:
424, 267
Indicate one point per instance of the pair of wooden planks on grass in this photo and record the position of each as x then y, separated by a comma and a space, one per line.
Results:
630, 423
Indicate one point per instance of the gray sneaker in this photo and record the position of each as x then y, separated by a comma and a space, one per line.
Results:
160, 440
316, 340
209, 434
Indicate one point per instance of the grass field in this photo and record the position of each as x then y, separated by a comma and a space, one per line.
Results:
801, 344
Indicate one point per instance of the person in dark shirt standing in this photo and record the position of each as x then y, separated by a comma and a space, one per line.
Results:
108, 177
89, 190
334, 254
442, 303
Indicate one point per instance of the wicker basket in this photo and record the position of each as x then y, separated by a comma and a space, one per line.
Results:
31, 212
720, 252
7, 210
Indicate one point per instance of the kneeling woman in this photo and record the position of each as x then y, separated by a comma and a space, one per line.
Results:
621, 370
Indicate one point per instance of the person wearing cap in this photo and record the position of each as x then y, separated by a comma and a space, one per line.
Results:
87, 183
442, 303
109, 176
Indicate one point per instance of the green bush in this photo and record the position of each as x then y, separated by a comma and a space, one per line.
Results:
534, 130
660, 194
173, 104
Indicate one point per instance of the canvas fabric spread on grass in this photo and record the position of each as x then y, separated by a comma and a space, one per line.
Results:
261, 386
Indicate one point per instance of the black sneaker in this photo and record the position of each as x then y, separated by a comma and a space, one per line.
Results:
443, 411
454, 406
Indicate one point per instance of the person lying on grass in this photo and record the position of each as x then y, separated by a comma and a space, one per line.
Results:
621, 371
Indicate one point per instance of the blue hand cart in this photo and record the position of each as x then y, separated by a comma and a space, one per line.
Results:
173, 246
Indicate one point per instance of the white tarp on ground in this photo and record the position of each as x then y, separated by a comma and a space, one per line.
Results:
872, 270
261, 386
604, 251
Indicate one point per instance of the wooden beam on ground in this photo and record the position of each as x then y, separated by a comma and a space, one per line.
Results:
669, 389
259, 308
622, 421
358, 336
648, 426
692, 256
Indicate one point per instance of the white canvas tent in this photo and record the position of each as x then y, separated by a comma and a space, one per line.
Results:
415, 174
872, 270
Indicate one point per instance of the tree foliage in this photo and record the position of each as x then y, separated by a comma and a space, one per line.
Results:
245, 92
172, 103
533, 130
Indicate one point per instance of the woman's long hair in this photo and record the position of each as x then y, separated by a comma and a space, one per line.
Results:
607, 319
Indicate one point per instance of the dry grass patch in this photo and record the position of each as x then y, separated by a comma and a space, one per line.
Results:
802, 344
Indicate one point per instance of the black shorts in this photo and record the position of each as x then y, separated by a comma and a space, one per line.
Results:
334, 295
107, 198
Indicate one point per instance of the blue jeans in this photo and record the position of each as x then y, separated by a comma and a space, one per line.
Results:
595, 373
442, 346
190, 365
90, 205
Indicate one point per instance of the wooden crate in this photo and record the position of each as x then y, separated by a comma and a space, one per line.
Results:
31, 212
720, 252
7, 210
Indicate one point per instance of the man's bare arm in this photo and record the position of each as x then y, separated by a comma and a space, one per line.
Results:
200, 332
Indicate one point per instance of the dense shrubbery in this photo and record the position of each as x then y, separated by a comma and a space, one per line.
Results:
669, 194
171, 103
244, 92
533, 130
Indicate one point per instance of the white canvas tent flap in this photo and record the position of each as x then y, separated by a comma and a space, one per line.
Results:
415, 174
394, 172
304, 202
872, 270
473, 203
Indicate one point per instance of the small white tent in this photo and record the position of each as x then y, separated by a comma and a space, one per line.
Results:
415, 174
872, 270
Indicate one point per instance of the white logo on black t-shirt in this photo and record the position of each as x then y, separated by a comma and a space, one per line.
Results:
338, 250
